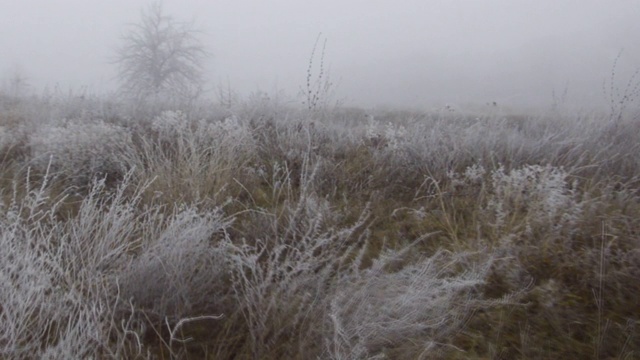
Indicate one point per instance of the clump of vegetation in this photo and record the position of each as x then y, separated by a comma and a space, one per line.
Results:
269, 232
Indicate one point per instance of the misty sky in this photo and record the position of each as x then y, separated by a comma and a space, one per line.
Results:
411, 53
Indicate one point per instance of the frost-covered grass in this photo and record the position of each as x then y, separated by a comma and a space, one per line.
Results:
264, 232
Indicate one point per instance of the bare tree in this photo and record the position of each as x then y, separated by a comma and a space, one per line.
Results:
160, 58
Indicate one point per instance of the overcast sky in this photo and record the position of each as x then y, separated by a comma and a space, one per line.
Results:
403, 53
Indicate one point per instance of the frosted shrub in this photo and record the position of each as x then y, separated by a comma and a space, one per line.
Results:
178, 269
472, 175
85, 286
231, 127
433, 144
169, 124
395, 135
376, 308
54, 304
282, 278
371, 130
80, 150
191, 160
174, 126
542, 194
390, 136
373, 134
230, 133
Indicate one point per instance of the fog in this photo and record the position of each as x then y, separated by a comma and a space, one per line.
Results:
410, 53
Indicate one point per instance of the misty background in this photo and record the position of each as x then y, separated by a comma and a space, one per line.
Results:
406, 54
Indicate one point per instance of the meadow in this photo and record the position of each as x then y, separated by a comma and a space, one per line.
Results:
257, 230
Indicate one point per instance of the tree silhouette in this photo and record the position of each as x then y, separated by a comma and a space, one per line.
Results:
160, 58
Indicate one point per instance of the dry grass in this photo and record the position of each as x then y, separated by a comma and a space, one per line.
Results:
269, 233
